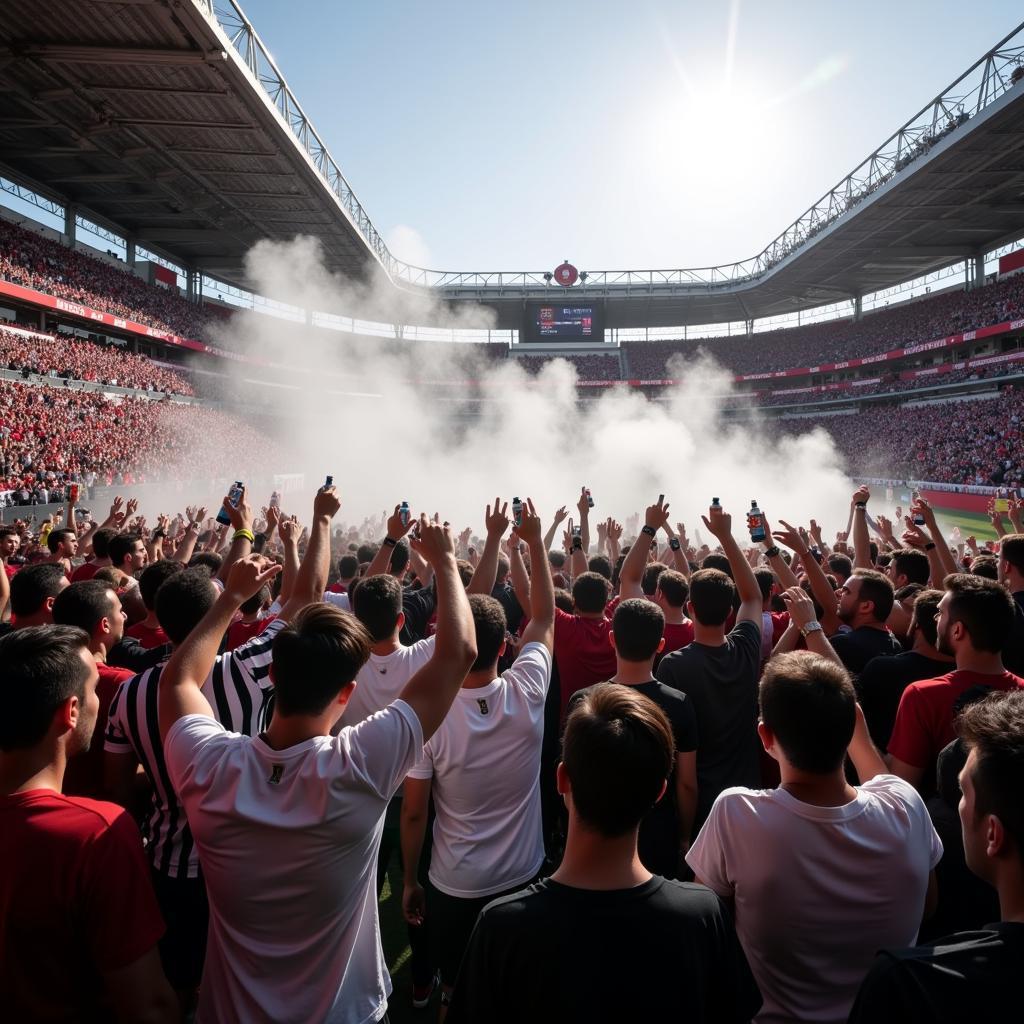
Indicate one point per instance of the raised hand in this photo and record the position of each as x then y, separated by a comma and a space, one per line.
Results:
614, 530
656, 515
289, 529
248, 575
432, 542
240, 514
799, 605
815, 532
326, 503
583, 506
529, 530
272, 514
790, 537
913, 535
862, 494
497, 522
719, 524
560, 515
396, 529
132, 507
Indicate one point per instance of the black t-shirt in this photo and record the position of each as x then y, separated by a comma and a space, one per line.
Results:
1013, 652
881, 684
722, 684
963, 977
659, 831
660, 951
506, 597
858, 646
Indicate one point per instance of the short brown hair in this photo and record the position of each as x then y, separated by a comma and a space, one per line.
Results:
994, 728
674, 588
590, 592
1012, 550
913, 564
618, 751
878, 589
711, 594
926, 607
983, 606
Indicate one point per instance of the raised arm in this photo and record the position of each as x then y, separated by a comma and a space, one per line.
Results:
520, 577
560, 517
396, 530
583, 507
434, 687
783, 572
679, 560
866, 759
720, 524
823, 593
541, 628
242, 538
801, 615
187, 545
179, 692
940, 558
614, 536
486, 571
311, 578
861, 539
289, 529
632, 572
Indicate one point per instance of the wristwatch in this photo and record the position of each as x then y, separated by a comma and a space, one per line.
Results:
649, 530
673, 543
814, 626
772, 552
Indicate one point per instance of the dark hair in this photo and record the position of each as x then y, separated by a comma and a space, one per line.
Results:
254, 603
206, 560
808, 703
399, 558
984, 607
32, 585
348, 566
121, 546
1012, 550
377, 603
907, 591
154, 576
841, 565
590, 592
711, 594
674, 588
638, 625
83, 604
926, 607
182, 600
985, 566
765, 581
491, 624
618, 751
40, 668
877, 589
994, 728
913, 564
556, 559
649, 579
466, 571
717, 561
563, 600
504, 568
101, 542
601, 565
366, 552
315, 657
56, 538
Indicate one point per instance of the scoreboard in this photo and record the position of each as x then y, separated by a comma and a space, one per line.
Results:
563, 321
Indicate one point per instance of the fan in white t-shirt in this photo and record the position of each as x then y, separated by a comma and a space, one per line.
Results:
287, 823
482, 767
821, 874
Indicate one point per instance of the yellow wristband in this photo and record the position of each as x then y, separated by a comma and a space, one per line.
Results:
247, 534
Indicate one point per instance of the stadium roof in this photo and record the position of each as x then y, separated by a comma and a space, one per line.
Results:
169, 122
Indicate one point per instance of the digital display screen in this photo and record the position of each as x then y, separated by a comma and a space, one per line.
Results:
563, 321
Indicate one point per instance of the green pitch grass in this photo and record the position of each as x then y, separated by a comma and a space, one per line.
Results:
970, 523
395, 941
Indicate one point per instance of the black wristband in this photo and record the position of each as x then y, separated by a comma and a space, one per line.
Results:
861, 504
390, 542
158, 533
772, 552
649, 530
673, 543
930, 546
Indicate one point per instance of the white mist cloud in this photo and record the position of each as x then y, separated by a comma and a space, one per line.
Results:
408, 244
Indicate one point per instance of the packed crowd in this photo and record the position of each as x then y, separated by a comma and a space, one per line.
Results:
978, 441
62, 356
27, 258
52, 436
628, 776
838, 340
590, 366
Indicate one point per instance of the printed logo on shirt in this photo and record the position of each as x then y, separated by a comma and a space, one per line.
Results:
484, 709
276, 771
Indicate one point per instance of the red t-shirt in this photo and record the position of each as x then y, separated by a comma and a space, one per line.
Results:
583, 652
924, 721
75, 900
241, 632
148, 636
84, 774
11, 570
677, 635
85, 572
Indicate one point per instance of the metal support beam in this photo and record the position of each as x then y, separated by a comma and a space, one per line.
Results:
858, 306
134, 55
129, 251
979, 270
70, 215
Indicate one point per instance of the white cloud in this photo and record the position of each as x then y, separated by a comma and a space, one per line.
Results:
406, 243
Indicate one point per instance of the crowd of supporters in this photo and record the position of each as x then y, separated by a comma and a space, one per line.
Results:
978, 441
590, 366
50, 436
28, 258
630, 776
60, 355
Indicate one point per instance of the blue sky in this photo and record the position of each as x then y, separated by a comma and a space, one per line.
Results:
619, 135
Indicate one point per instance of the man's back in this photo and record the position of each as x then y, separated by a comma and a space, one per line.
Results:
881, 684
382, 678
484, 762
856, 647
293, 930
660, 951
583, 653
722, 684
75, 901
817, 889
958, 978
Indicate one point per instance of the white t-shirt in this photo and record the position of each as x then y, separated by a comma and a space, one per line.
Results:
338, 600
818, 890
288, 841
484, 762
382, 679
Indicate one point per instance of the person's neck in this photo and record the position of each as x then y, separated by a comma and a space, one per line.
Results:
1015, 583
590, 615
480, 678
710, 636
41, 767
151, 621
673, 616
831, 790
384, 647
630, 673
35, 619
287, 731
99, 651
988, 663
101, 563
922, 647
593, 861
